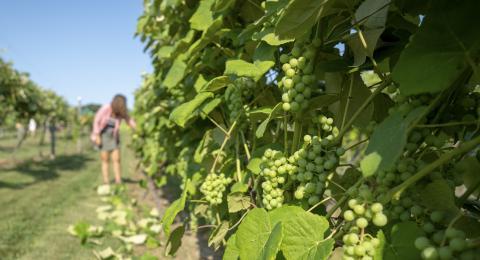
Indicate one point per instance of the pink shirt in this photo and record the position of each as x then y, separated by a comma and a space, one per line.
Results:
101, 120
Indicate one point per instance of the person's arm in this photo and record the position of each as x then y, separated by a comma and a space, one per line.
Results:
131, 122
95, 136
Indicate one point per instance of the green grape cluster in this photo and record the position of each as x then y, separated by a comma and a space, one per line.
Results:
297, 84
236, 96
449, 243
357, 243
314, 161
274, 169
465, 107
214, 186
323, 126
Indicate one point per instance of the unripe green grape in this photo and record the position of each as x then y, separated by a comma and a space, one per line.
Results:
294, 106
349, 215
445, 253
293, 62
296, 51
376, 207
379, 219
307, 92
300, 87
299, 194
308, 175
290, 72
350, 250
352, 203
286, 106
422, 243
286, 67
457, 244
297, 79
302, 61
288, 83
308, 69
299, 98
438, 237
313, 200
359, 250
359, 209
450, 232
284, 58
329, 165
340, 151
273, 203
430, 253
361, 223
436, 216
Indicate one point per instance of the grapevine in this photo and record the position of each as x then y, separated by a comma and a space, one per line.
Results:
331, 129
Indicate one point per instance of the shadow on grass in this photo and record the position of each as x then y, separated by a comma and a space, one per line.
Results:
46, 169
172, 192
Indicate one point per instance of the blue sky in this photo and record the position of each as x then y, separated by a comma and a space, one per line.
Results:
76, 48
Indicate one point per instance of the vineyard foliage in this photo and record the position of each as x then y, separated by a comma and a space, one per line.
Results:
22, 99
310, 129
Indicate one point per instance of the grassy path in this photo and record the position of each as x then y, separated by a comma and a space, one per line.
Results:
40, 198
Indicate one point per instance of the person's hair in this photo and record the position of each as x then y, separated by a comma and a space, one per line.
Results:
119, 106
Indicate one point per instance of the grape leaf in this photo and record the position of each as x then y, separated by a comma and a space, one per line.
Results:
380, 249
203, 16
304, 237
237, 202
437, 195
270, 250
437, 53
253, 233
217, 236
231, 251
263, 126
254, 165
176, 72
216, 84
354, 92
297, 19
172, 211
175, 240
181, 114
283, 213
385, 146
401, 242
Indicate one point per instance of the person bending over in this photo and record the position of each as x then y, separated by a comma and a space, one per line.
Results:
105, 134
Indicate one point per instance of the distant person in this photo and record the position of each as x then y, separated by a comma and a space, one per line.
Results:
32, 127
105, 134
52, 128
21, 134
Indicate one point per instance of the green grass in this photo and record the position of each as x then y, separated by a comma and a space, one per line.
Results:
40, 198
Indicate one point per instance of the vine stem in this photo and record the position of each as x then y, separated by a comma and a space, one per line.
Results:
245, 146
342, 200
464, 148
285, 133
225, 140
356, 144
239, 221
360, 110
319, 203
344, 117
429, 109
296, 134
449, 124
237, 158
